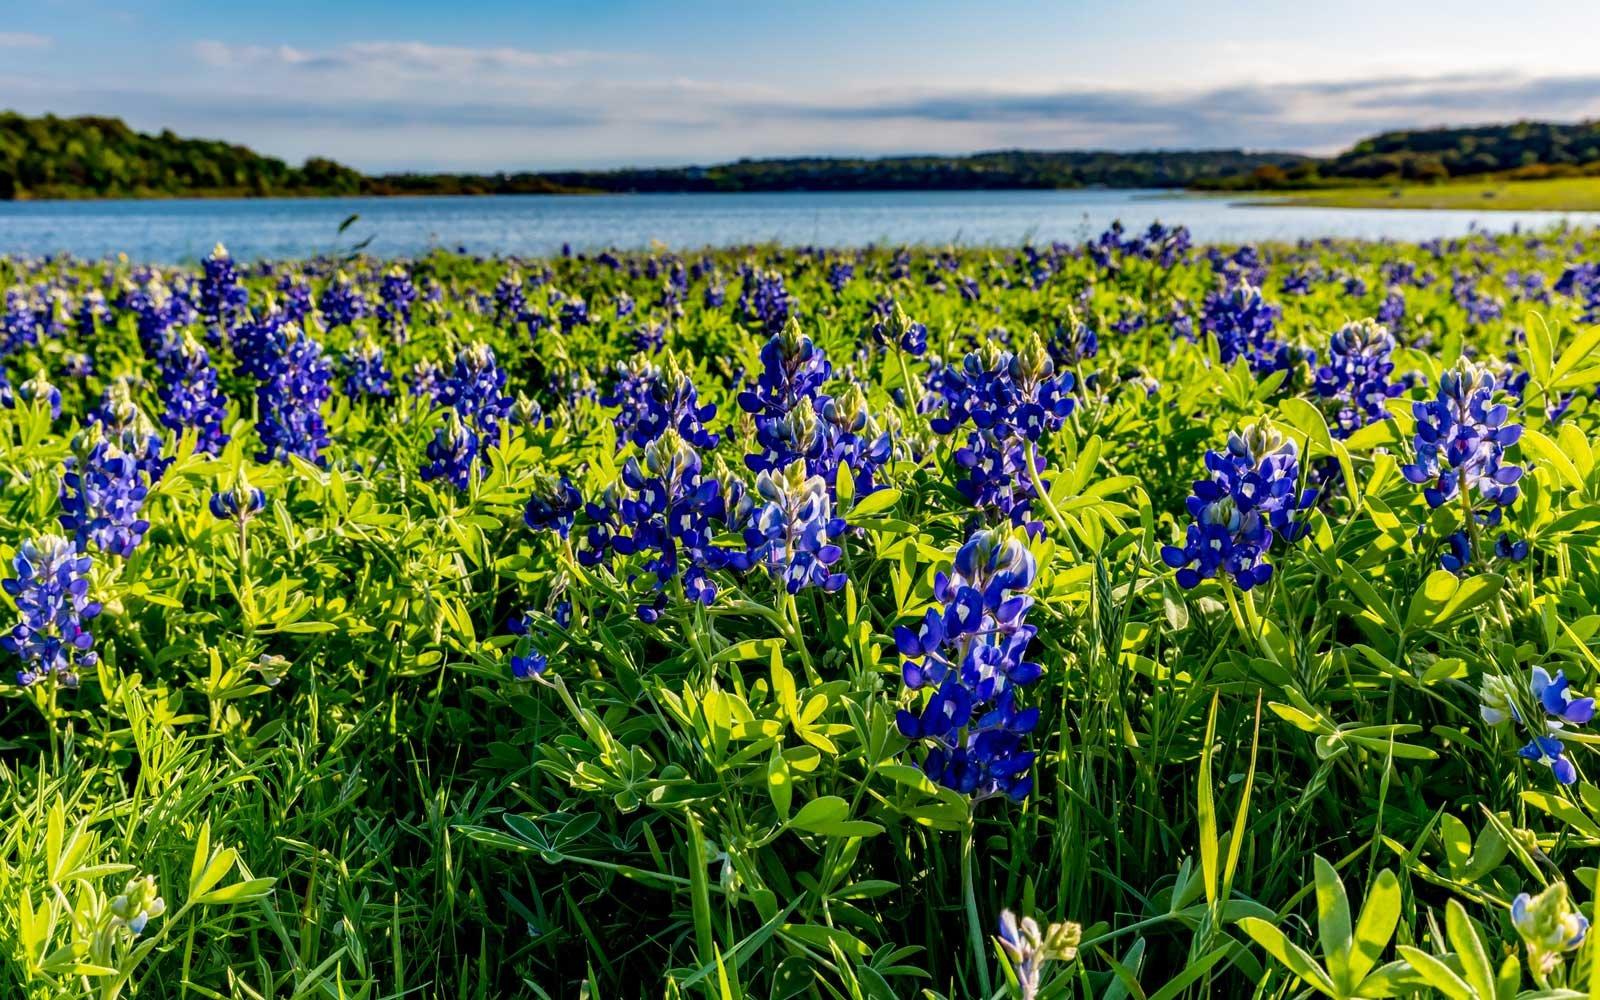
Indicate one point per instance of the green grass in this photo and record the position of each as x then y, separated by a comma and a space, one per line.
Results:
1571, 194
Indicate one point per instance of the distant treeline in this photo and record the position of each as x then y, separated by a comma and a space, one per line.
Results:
92, 157
1519, 151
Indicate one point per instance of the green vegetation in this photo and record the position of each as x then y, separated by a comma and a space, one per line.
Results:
1572, 194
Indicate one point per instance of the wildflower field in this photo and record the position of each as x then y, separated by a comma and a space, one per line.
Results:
1126, 619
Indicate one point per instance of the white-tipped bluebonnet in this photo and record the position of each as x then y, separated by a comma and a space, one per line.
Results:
365, 373
553, 505
222, 299
1243, 324
396, 293
1357, 375
1550, 926
452, 452
38, 391
342, 303
790, 528
289, 402
51, 591
1460, 443
764, 297
103, 490
653, 399
1250, 499
190, 396
971, 650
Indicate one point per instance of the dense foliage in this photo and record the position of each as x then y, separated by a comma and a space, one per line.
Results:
51, 157
1519, 151
1056, 621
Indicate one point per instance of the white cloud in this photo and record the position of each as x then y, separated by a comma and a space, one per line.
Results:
420, 60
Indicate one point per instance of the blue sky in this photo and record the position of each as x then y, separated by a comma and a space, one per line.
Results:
541, 85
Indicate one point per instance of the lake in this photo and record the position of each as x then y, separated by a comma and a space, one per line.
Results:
183, 230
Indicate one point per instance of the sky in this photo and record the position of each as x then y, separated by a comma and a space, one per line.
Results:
539, 85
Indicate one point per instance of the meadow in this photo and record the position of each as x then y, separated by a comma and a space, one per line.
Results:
1130, 619
1562, 194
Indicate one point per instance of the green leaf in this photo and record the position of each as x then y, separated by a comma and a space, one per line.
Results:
1289, 954
1333, 924
780, 785
875, 502
1380, 912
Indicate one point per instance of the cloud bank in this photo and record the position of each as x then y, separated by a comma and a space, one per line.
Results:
386, 105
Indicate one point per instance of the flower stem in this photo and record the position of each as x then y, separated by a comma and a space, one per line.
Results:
974, 923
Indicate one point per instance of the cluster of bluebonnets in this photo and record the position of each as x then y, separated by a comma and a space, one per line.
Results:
984, 515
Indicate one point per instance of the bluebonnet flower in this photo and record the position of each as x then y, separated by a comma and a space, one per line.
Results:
1559, 705
139, 903
124, 423
475, 390
103, 489
259, 343
665, 510
452, 452
222, 298
649, 337
289, 403
792, 368
342, 303
1392, 312
1550, 926
239, 503
970, 650
92, 311
1552, 753
190, 395
396, 293
365, 374
1011, 400
426, 380
1357, 375
553, 505
764, 297
652, 400
840, 273
77, 364
157, 311
1030, 949
572, 310
18, 329
510, 300
297, 300
1251, 498
1074, 342
38, 390
527, 666
791, 527
899, 329
1242, 323
1460, 443
51, 591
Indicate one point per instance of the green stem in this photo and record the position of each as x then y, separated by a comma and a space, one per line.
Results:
980, 954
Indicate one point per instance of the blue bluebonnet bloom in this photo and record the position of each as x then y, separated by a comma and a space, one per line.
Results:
1460, 443
104, 485
77, 364
259, 343
764, 297
125, 423
1010, 400
239, 503
840, 272
297, 302
665, 510
510, 300
190, 396
222, 299
527, 662
475, 389
157, 311
1357, 375
553, 505
365, 374
1251, 498
653, 399
290, 401
452, 452
92, 311
970, 650
792, 368
39, 391
396, 293
1550, 926
1555, 706
342, 303
571, 310
1243, 323
51, 590
790, 529
18, 330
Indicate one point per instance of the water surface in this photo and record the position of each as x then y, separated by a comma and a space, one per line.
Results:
185, 229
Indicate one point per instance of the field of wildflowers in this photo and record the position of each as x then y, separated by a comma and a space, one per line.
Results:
1131, 619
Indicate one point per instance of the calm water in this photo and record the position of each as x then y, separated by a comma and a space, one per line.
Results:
175, 231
